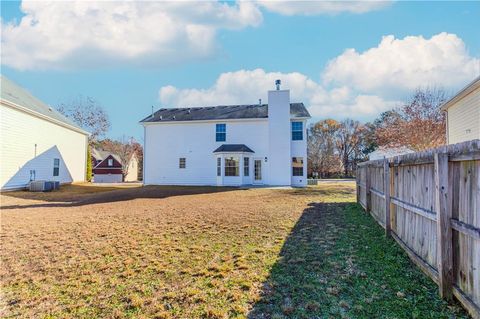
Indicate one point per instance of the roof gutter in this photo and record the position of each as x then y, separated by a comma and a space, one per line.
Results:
42, 116
259, 119
472, 86
204, 121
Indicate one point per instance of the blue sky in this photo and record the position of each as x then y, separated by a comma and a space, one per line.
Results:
233, 54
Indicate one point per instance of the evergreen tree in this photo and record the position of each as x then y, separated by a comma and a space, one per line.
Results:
89, 165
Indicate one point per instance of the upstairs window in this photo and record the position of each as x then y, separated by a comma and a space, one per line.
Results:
182, 162
297, 131
221, 132
297, 166
110, 162
56, 166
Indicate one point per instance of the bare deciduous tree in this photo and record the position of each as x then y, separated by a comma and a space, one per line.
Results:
88, 114
322, 156
349, 140
419, 124
334, 147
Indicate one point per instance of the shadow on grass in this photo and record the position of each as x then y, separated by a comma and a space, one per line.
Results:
336, 263
80, 197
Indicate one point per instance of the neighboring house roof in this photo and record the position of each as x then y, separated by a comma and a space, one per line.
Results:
388, 152
16, 96
231, 148
221, 112
101, 155
472, 86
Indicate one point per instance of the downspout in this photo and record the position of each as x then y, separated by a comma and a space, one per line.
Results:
446, 127
144, 154
87, 159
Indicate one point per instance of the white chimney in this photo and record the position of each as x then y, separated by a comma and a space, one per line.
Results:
279, 136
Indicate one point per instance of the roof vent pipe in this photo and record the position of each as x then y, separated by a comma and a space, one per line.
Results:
277, 84
260, 102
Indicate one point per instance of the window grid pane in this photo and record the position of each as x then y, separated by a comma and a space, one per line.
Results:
182, 163
297, 166
221, 132
246, 166
219, 166
297, 131
221, 137
56, 167
232, 166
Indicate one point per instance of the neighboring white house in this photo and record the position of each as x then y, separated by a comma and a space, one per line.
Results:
37, 142
228, 145
463, 114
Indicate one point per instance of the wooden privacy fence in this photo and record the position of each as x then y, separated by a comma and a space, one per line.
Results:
429, 202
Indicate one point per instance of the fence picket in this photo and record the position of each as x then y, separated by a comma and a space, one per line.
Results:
387, 184
444, 229
431, 202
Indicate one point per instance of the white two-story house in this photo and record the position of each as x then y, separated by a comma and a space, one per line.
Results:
228, 145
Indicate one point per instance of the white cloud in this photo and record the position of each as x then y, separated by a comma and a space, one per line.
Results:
244, 86
301, 7
88, 33
404, 64
358, 85
247, 86
357, 107
79, 34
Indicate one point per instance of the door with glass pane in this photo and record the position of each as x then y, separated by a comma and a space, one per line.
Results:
257, 171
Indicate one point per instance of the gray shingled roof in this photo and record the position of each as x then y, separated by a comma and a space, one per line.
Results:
221, 112
234, 148
13, 93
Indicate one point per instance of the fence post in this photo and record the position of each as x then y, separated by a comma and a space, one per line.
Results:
444, 230
368, 197
386, 192
357, 180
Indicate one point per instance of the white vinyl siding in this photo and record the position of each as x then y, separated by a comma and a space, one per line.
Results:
19, 156
165, 143
464, 119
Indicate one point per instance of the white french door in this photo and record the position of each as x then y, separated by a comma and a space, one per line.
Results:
257, 171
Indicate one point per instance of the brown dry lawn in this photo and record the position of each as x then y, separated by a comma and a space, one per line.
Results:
199, 252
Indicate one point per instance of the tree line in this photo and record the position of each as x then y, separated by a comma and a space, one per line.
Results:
335, 147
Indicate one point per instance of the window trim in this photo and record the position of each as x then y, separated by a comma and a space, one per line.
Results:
219, 166
182, 162
56, 167
220, 132
297, 131
246, 166
228, 168
295, 170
